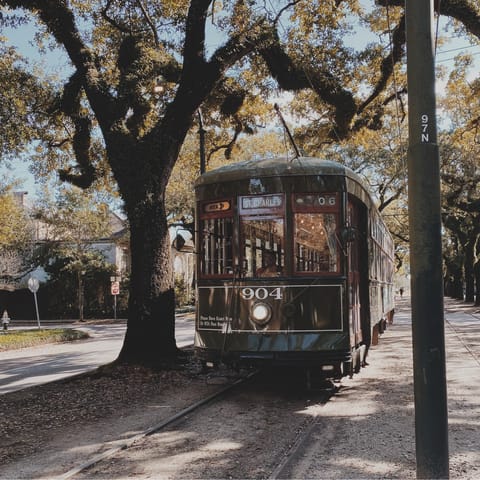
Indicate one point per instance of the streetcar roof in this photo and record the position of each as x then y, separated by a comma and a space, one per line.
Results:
273, 167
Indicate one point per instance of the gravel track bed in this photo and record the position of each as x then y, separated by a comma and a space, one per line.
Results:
243, 435
366, 430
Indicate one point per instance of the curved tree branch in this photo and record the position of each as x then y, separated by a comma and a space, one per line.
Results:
120, 27
194, 47
149, 22
388, 63
461, 10
60, 21
228, 146
295, 77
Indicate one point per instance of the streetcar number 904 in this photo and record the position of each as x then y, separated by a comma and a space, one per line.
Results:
261, 293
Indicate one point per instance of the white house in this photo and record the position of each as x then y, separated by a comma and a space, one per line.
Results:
116, 249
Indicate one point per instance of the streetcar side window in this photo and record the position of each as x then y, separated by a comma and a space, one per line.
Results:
315, 238
262, 240
216, 230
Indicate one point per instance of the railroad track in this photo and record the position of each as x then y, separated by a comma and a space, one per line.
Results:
248, 418
303, 434
126, 443
289, 456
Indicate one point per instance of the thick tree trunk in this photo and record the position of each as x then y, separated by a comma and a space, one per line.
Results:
150, 337
81, 295
468, 269
454, 276
476, 271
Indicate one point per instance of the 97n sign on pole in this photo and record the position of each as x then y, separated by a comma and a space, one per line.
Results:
431, 424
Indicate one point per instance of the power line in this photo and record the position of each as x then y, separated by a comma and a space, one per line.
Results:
453, 58
397, 106
441, 52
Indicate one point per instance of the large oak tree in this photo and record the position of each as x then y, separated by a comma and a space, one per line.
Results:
118, 50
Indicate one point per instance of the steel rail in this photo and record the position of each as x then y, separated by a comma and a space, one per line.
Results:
302, 436
124, 444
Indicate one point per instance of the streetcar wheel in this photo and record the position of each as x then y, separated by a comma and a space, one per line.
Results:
347, 369
356, 360
363, 355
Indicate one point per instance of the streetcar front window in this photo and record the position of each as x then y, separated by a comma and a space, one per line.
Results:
315, 240
217, 250
263, 246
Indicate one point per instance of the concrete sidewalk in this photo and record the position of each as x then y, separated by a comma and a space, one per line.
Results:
371, 420
31, 366
462, 348
462, 339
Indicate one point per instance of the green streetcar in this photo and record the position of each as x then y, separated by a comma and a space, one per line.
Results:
295, 266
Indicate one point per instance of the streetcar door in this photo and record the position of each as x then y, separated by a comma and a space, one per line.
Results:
354, 276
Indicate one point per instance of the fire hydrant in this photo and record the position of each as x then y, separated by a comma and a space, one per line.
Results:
5, 320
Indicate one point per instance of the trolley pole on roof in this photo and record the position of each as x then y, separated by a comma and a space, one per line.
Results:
431, 420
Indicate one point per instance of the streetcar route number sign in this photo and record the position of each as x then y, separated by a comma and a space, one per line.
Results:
261, 293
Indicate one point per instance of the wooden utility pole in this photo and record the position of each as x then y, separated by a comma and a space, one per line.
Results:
201, 136
431, 420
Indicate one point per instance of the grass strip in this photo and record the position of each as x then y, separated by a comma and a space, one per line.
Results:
12, 340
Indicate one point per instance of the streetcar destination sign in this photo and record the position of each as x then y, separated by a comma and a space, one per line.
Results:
265, 201
261, 203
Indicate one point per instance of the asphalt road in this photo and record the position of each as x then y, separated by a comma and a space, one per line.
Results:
32, 366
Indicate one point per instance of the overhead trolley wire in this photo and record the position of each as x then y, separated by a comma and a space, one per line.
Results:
397, 107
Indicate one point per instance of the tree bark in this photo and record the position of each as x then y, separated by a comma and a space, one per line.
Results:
476, 272
81, 295
150, 337
468, 269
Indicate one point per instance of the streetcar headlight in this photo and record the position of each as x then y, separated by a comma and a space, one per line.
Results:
261, 313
